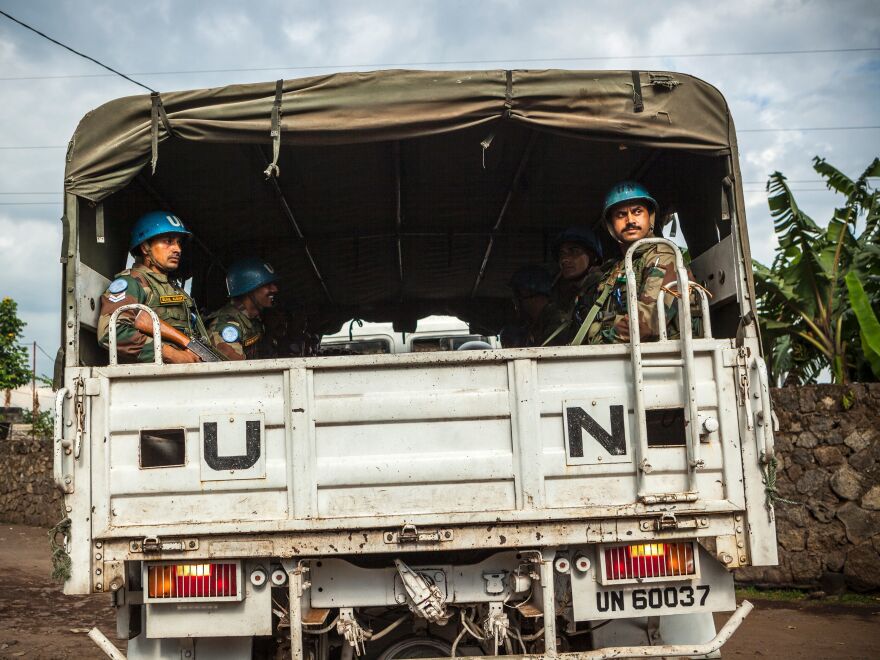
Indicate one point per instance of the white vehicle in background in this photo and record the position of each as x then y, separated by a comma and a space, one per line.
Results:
392, 502
434, 333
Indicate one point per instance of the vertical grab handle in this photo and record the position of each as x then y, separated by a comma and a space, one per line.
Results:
157, 335
764, 416
60, 446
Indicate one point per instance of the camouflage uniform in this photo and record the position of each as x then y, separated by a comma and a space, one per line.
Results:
654, 268
568, 298
566, 294
237, 336
542, 328
170, 302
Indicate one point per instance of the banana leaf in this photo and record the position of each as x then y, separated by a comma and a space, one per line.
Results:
869, 326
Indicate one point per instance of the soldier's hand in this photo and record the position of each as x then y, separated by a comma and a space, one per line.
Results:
178, 356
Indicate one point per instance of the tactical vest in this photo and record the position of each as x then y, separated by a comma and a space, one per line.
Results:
171, 303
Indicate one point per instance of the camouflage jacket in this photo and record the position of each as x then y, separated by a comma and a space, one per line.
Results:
237, 336
571, 299
542, 329
170, 302
567, 295
654, 268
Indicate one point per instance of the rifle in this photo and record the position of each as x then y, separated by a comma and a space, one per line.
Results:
144, 323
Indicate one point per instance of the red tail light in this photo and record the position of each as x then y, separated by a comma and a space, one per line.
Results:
649, 560
192, 581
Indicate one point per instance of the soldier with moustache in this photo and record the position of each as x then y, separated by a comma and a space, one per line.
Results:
157, 243
630, 214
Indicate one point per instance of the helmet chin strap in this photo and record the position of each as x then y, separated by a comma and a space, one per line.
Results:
151, 263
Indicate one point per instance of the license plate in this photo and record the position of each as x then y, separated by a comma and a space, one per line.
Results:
641, 600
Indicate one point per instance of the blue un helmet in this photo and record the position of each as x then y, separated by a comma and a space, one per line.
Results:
583, 236
627, 191
152, 224
248, 274
532, 278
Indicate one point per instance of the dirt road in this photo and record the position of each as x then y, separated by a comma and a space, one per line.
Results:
38, 621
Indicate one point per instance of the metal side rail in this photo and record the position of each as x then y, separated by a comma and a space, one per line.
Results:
686, 362
157, 335
662, 651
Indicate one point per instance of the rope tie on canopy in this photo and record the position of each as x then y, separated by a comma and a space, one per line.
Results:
273, 170
157, 113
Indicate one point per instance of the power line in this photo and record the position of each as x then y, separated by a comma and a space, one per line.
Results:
810, 128
379, 65
75, 52
37, 147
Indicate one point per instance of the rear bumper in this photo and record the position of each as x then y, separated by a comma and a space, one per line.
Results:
666, 650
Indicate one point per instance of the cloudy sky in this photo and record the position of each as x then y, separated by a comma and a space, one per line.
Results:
188, 44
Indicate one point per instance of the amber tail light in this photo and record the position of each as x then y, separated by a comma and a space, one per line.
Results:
649, 560
192, 581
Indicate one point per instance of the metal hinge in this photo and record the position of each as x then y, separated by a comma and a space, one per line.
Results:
155, 544
668, 521
411, 534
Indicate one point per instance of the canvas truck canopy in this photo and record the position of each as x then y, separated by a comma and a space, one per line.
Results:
392, 195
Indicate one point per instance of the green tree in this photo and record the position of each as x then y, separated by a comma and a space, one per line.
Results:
14, 370
807, 321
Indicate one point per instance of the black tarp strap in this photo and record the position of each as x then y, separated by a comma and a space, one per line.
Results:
275, 133
638, 102
157, 114
508, 93
99, 223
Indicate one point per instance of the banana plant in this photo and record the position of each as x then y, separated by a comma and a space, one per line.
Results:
807, 318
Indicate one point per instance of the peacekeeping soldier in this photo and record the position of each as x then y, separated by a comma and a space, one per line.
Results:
237, 329
630, 214
157, 241
578, 252
531, 287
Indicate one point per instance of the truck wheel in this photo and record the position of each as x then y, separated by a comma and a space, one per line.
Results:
417, 647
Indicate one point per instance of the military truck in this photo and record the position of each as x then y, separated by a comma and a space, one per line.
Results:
572, 502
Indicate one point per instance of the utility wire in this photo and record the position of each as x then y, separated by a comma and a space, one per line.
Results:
379, 65
75, 52
810, 128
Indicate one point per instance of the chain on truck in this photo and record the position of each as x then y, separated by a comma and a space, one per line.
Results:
574, 502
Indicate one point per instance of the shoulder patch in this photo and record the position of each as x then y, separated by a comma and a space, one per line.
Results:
229, 334
115, 297
118, 285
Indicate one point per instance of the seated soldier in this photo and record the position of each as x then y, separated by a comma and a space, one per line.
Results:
578, 252
540, 318
157, 242
237, 328
630, 215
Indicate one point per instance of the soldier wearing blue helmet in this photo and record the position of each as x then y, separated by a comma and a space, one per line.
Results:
237, 329
157, 243
578, 252
630, 214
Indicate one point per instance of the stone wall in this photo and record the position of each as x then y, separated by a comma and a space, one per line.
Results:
828, 449
829, 463
27, 492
